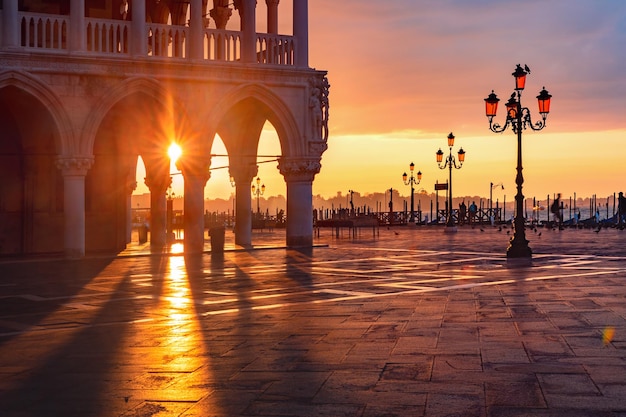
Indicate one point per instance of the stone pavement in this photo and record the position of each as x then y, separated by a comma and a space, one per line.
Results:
412, 322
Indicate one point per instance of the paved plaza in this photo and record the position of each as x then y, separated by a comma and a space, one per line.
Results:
409, 321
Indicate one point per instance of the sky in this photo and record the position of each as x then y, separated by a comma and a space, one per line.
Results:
406, 73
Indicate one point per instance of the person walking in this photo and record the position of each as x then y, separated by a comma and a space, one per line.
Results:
555, 208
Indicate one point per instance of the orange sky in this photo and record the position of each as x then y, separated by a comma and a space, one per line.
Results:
405, 73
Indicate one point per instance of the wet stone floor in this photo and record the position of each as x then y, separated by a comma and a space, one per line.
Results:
397, 322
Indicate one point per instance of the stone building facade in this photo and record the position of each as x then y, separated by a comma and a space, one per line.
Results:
88, 86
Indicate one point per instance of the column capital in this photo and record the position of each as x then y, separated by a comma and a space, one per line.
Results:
221, 15
74, 165
195, 167
299, 169
157, 184
131, 185
243, 173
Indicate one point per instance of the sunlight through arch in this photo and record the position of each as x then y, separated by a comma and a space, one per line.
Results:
269, 150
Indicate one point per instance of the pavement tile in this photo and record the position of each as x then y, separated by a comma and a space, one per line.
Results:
453, 405
518, 390
355, 327
567, 383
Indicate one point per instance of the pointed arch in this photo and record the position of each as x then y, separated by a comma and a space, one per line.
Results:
268, 105
145, 86
65, 141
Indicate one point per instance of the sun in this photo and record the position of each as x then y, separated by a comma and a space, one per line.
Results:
174, 152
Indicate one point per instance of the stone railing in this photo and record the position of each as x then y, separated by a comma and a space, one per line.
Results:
44, 31
275, 49
107, 36
48, 33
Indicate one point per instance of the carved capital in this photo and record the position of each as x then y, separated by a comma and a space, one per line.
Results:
243, 173
317, 148
131, 185
197, 167
299, 169
157, 183
74, 166
221, 15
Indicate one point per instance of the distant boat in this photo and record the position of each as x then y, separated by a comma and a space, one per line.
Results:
538, 208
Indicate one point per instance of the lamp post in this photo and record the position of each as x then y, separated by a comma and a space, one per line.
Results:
450, 163
518, 118
351, 201
412, 181
258, 192
491, 188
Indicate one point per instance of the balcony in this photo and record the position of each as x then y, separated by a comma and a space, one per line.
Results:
50, 34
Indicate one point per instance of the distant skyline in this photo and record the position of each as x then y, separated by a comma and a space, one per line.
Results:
406, 73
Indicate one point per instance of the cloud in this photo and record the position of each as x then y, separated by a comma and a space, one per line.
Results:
428, 64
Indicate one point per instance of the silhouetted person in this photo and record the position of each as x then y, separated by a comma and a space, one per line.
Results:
472, 212
621, 208
555, 208
462, 212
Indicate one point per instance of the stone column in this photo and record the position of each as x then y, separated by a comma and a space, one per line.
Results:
272, 16
10, 24
158, 185
301, 32
243, 174
194, 211
74, 170
131, 186
139, 34
248, 27
77, 26
196, 30
299, 174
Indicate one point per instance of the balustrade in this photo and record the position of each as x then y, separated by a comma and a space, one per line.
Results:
43, 31
48, 33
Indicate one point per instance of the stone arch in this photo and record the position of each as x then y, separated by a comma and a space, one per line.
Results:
65, 142
137, 117
35, 131
145, 86
262, 104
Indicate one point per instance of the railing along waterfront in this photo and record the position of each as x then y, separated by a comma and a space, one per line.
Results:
49, 33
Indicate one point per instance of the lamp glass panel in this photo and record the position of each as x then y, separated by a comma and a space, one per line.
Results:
491, 108
450, 140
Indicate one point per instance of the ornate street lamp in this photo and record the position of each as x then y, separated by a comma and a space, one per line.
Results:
412, 181
351, 201
259, 190
450, 162
518, 118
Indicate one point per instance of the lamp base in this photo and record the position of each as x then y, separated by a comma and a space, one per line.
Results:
519, 249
